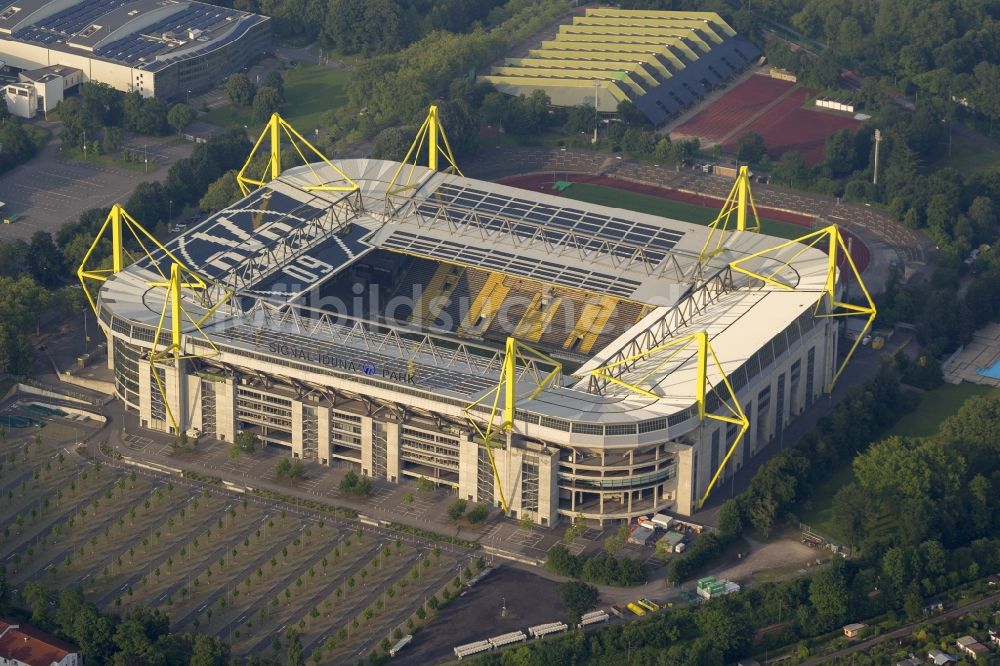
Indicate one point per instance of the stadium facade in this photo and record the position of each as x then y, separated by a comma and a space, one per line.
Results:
555, 357
161, 48
662, 61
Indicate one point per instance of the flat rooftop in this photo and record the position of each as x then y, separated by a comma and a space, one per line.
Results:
137, 33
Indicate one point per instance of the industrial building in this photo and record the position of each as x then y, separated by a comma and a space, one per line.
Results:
552, 357
162, 48
662, 61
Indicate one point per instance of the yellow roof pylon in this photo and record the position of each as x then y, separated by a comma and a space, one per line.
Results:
273, 131
180, 278
431, 132
121, 225
503, 399
835, 307
739, 200
705, 353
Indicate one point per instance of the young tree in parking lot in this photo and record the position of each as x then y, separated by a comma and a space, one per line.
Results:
456, 509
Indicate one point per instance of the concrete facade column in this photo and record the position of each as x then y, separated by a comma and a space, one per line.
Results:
192, 395
468, 468
685, 480
225, 410
297, 429
548, 487
323, 435
146, 387
367, 446
392, 467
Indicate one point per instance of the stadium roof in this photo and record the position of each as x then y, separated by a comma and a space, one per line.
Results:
281, 241
144, 34
659, 60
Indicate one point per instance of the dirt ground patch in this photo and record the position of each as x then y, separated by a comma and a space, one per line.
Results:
530, 600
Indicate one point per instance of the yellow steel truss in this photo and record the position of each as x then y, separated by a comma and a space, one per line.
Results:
739, 200
704, 353
431, 132
273, 131
835, 307
503, 399
121, 224
180, 278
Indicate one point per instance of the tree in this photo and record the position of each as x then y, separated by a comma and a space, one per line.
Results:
274, 79
247, 441
392, 143
239, 90
580, 119
223, 192
266, 101
578, 598
456, 509
829, 595
44, 259
179, 117
840, 155
282, 468
478, 514
631, 115
209, 651
750, 148
294, 653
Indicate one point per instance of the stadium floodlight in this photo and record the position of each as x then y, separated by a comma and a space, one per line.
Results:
273, 131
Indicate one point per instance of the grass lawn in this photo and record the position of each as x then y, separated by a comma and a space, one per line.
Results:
310, 91
934, 407
678, 210
969, 156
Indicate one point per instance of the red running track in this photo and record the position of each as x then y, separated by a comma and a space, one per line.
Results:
733, 108
544, 181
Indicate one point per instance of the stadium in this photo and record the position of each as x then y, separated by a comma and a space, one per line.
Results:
550, 357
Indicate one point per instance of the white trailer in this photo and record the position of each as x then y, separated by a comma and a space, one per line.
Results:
545, 629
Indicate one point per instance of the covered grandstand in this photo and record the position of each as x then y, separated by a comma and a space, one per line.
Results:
555, 358
663, 61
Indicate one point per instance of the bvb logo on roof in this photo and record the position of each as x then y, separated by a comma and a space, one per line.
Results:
368, 368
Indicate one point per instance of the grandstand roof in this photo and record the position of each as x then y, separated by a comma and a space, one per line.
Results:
662, 60
282, 241
138, 33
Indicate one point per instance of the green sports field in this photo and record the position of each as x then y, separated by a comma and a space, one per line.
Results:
678, 210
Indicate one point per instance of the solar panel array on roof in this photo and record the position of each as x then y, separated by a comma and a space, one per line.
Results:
209, 46
318, 264
591, 231
137, 45
231, 236
494, 259
67, 22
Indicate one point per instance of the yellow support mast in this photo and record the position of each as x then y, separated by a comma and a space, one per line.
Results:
835, 308
121, 225
273, 132
705, 361
740, 201
180, 278
503, 401
432, 133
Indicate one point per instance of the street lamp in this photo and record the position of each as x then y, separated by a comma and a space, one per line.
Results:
597, 104
170, 209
